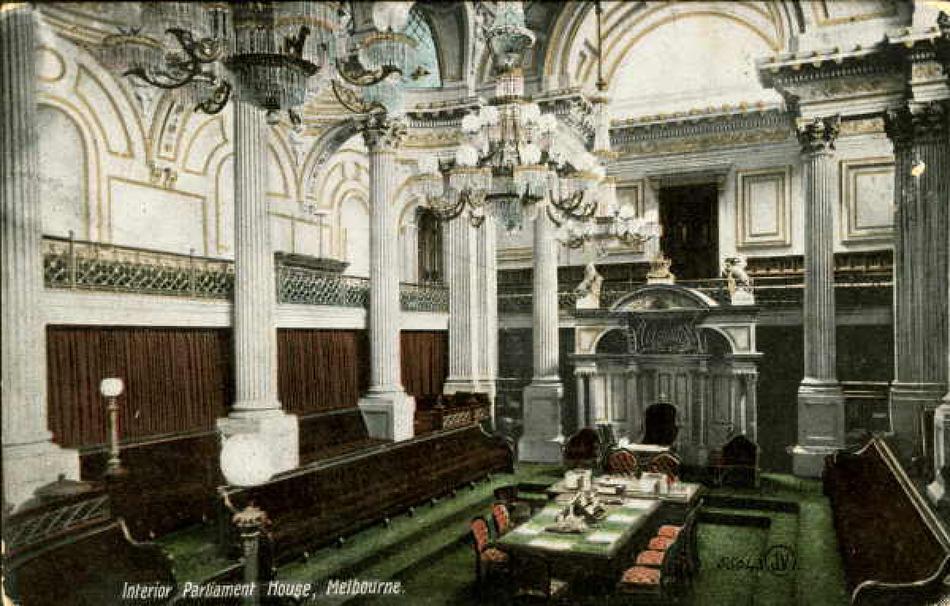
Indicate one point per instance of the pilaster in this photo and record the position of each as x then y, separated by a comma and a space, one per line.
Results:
487, 270
820, 400
30, 458
387, 409
257, 409
462, 277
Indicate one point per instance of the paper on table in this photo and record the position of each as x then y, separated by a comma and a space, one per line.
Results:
637, 504
549, 544
528, 530
603, 536
622, 518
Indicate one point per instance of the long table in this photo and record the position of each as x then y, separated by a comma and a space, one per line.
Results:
608, 546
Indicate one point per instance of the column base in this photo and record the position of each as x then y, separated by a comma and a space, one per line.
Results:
389, 415
454, 385
809, 461
938, 489
277, 429
821, 429
907, 402
542, 439
27, 467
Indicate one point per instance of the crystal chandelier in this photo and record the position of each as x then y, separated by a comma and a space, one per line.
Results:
272, 55
510, 161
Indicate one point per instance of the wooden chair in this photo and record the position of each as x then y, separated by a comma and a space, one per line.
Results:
665, 463
489, 560
655, 573
583, 449
622, 462
499, 514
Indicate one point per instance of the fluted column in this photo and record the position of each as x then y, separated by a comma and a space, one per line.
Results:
542, 437
30, 459
256, 408
820, 401
387, 409
487, 268
922, 190
462, 277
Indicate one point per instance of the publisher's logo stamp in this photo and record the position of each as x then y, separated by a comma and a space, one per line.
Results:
779, 560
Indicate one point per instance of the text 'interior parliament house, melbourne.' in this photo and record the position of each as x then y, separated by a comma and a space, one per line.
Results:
450, 303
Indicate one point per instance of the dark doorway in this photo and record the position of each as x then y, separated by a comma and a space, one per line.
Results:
689, 216
780, 372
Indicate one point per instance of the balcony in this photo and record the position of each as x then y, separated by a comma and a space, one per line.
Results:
93, 266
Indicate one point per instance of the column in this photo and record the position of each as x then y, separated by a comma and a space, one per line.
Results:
256, 409
30, 458
387, 410
461, 252
635, 421
922, 189
820, 401
542, 438
702, 412
487, 268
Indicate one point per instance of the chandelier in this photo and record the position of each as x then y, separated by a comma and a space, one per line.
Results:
615, 222
272, 55
510, 161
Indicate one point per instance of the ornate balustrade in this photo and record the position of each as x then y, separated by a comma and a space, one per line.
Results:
93, 266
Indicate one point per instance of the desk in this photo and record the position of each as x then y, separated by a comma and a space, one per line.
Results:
603, 550
683, 493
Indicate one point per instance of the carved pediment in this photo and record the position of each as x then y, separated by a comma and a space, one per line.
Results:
663, 298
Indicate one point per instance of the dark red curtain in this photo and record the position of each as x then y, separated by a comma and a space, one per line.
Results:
321, 370
176, 380
425, 361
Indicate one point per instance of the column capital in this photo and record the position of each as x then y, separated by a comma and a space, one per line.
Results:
920, 123
382, 132
818, 135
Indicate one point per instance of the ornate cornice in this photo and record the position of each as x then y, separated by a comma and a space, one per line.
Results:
818, 135
572, 107
687, 132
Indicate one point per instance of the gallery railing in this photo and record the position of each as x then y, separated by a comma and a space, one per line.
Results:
768, 290
94, 266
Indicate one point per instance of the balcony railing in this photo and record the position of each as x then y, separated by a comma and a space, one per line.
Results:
768, 290
93, 266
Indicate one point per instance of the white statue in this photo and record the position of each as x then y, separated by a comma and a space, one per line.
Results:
588, 291
737, 280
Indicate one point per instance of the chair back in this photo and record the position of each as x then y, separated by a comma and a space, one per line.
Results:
623, 462
665, 463
659, 421
480, 536
740, 450
582, 449
499, 512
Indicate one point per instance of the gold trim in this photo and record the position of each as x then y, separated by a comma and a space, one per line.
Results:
203, 200
80, 72
88, 137
59, 59
823, 17
222, 142
782, 236
849, 171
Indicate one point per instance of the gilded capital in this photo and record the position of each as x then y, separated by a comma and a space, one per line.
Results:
817, 135
383, 133
922, 123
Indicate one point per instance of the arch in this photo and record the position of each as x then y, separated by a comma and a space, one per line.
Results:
611, 341
63, 190
324, 147
718, 341
659, 297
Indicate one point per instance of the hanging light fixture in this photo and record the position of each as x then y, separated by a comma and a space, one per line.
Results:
510, 161
273, 54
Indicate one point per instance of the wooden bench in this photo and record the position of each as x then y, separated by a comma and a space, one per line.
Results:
325, 501
330, 434
170, 483
451, 411
895, 550
71, 552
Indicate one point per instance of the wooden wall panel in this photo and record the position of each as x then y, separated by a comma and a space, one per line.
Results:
321, 370
425, 361
177, 380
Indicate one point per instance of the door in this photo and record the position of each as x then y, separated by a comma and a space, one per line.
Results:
689, 216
